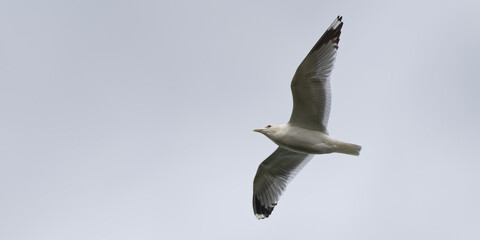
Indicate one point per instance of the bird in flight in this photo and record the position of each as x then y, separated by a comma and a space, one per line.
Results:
306, 133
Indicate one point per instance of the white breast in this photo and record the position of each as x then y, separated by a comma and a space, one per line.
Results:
303, 140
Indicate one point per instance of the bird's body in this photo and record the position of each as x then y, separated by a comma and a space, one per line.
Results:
306, 133
303, 140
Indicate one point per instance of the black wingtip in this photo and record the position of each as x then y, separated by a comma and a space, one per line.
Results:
261, 211
331, 35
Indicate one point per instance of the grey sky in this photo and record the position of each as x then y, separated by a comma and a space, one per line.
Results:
133, 119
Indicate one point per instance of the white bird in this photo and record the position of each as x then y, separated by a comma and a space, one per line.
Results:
306, 132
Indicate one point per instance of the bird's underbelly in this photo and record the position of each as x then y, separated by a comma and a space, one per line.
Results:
306, 141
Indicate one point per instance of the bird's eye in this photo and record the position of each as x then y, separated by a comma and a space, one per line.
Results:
268, 126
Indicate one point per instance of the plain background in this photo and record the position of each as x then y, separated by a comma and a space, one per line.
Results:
133, 119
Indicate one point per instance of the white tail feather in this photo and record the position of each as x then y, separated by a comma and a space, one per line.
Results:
348, 148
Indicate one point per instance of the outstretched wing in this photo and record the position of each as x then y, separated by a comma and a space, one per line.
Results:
272, 178
311, 82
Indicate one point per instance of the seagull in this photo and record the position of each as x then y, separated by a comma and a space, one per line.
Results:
306, 133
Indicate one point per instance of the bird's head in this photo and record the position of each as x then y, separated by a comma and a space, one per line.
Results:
268, 130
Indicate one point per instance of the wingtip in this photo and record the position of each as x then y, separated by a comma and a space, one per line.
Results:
337, 24
261, 212
261, 216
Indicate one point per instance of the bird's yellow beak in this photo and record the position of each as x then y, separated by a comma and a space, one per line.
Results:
257, 130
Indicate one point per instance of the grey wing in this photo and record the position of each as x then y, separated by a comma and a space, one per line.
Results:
311, 82
272, 178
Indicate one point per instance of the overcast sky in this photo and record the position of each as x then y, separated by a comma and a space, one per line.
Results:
133, 119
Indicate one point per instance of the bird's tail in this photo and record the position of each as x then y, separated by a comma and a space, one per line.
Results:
348, 148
